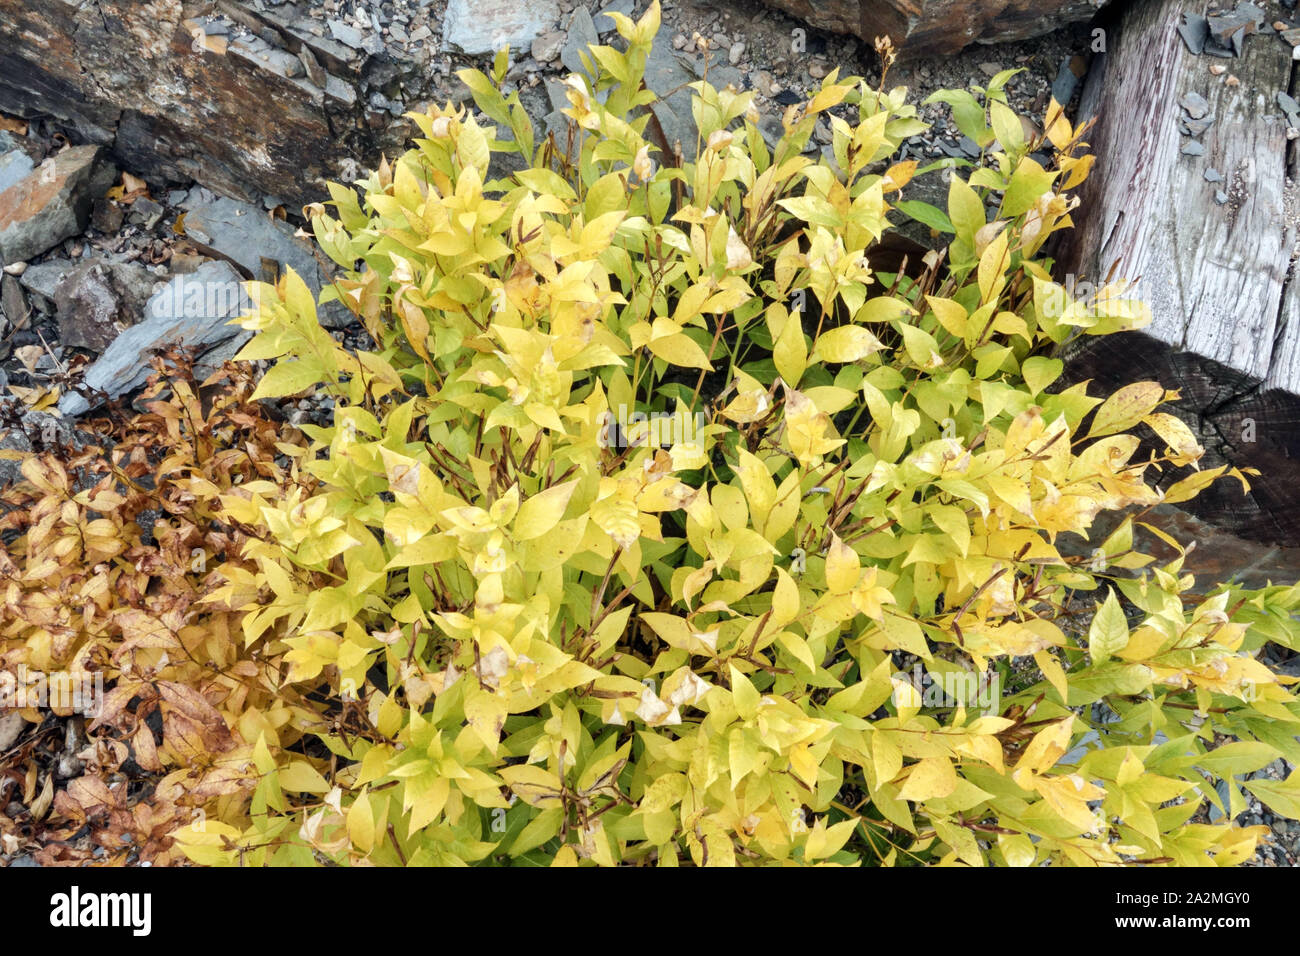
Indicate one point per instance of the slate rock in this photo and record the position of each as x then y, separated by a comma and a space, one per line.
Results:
345, 33
98, 299
1193, 149
192, 310
668, 77
477, 27
547, 47
928, 27
44, 277
1195, 104
52, 202
1290, 107
1065, 82
107, 216
1194, 29
13, 304
1220, 196
1213, 175
606, 23
15, 163
246, 234
582, 34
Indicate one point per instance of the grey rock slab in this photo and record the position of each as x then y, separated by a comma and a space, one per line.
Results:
477, 27
44, 277
246, 234
345, 33
1213, 175
1224, 27
52, 202
605, 23
668, 77
192, 310
582, 34
1193, 149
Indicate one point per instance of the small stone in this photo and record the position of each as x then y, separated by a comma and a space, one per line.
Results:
13, 304
15, 268
1195, 104
1218, 69
346, 34
420, 34
1279, 25
1292, 132
1193, 149
990, 69
680, 41
106, 216
1232, 81
1194, 30
1220, 196
1291, 37
546, 48
1213, 175
817, 69
736, 52
315, 72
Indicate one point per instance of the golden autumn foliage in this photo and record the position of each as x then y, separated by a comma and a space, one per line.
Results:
632, 526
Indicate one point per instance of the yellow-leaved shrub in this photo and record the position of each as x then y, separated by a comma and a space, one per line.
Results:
636, 529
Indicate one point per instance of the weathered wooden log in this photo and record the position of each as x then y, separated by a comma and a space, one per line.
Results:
1200, 220
936, 27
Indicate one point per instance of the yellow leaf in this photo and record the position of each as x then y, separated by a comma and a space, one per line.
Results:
1126, 408
361, 824
790, 351
681, 350
541, 512
302, 777
848, 343
930, 778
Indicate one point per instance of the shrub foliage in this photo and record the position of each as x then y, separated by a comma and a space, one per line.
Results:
656, 493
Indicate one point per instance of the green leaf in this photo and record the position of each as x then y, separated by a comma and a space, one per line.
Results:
924, 213
1279, 796
1108, 633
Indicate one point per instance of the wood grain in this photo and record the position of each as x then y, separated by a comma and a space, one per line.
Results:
1226, 320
